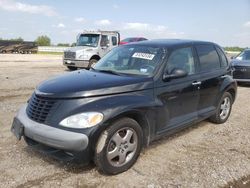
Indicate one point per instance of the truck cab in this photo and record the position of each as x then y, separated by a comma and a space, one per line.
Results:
90, 47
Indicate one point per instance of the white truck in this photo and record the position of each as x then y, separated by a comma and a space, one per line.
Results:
90, 47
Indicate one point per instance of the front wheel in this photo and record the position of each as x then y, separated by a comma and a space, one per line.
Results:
223, 110
119, 146
92, 62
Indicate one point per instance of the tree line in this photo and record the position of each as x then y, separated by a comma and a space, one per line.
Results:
44, 40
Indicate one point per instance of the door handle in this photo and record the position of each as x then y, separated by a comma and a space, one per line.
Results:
195, 83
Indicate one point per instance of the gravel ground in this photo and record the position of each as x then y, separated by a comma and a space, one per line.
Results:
205, 155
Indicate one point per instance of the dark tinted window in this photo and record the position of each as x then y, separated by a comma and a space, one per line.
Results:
209, 59
245, 55
222, 57
142, 39
114, 41
104, 40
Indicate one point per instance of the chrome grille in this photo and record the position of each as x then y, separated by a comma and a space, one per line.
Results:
69, 55
39, 107
241, 72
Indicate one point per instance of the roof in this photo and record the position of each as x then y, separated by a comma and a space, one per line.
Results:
99, 32
169, 42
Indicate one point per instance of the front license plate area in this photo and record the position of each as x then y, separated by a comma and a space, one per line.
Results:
17, 128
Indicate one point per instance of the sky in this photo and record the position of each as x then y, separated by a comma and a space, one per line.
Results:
226, 22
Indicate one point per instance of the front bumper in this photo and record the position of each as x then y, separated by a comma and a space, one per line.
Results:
76, 63
50, 136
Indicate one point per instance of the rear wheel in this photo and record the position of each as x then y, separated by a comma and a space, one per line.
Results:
223, 110
119, 146
71, 68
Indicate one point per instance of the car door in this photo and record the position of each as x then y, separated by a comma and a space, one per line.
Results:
212, 76
105, 45
178, 98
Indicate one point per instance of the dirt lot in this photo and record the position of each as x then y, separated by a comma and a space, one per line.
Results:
206, 155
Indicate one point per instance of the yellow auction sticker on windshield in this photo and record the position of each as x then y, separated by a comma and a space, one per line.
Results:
143, 56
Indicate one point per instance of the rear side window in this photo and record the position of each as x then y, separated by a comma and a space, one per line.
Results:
222, 57
114, 41
209, 59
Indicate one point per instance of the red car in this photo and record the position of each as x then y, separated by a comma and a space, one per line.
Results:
132, 39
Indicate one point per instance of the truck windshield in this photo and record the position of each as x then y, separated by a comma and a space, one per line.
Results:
131, 60
88, 40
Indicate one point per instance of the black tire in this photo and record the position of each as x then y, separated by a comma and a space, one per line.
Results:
217, 117
72, 68
106, 142
92, 62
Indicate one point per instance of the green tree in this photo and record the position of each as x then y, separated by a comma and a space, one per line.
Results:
234, 48
43, 41
19, 39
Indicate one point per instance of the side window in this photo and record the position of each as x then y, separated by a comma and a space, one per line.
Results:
209, 59
247, 55
104, 40
181, 59
223, 58
114, 40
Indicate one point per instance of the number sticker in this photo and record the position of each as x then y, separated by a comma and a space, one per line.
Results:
143, 56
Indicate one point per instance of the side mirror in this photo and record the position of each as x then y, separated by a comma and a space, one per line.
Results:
176, 73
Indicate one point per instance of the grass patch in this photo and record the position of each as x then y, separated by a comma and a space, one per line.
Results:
50, 53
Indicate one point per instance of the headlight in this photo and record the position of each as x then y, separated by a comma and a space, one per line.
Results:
83, 120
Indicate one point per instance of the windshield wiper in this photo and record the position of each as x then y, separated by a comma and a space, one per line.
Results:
107, 71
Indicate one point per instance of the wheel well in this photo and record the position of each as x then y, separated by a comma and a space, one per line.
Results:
141, 120
97, 57
232, 92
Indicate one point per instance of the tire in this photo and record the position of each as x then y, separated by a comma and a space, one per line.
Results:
92, 62
223, 110
72, 68
114, 153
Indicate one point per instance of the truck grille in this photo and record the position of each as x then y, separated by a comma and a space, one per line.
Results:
241, 72
39, 107
69, 55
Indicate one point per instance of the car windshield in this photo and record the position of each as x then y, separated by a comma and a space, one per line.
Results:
88, 40
245, 55
131, 60
129, 40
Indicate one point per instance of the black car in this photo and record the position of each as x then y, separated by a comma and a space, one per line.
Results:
135, 94
241, 66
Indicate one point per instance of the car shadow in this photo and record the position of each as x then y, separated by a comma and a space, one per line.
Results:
69, 166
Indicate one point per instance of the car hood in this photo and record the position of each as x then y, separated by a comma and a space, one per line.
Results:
86, 83
236, 62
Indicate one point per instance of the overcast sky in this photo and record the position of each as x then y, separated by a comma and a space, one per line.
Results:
226, 22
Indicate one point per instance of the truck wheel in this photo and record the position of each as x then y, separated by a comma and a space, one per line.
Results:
72, 68
119, 146
92, 62
223, 110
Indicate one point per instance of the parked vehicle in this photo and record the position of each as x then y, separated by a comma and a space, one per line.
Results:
23, 47
132, 39
90, 47
241, 66
135, 94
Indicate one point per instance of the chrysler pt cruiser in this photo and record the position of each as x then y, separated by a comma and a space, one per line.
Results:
135, 94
